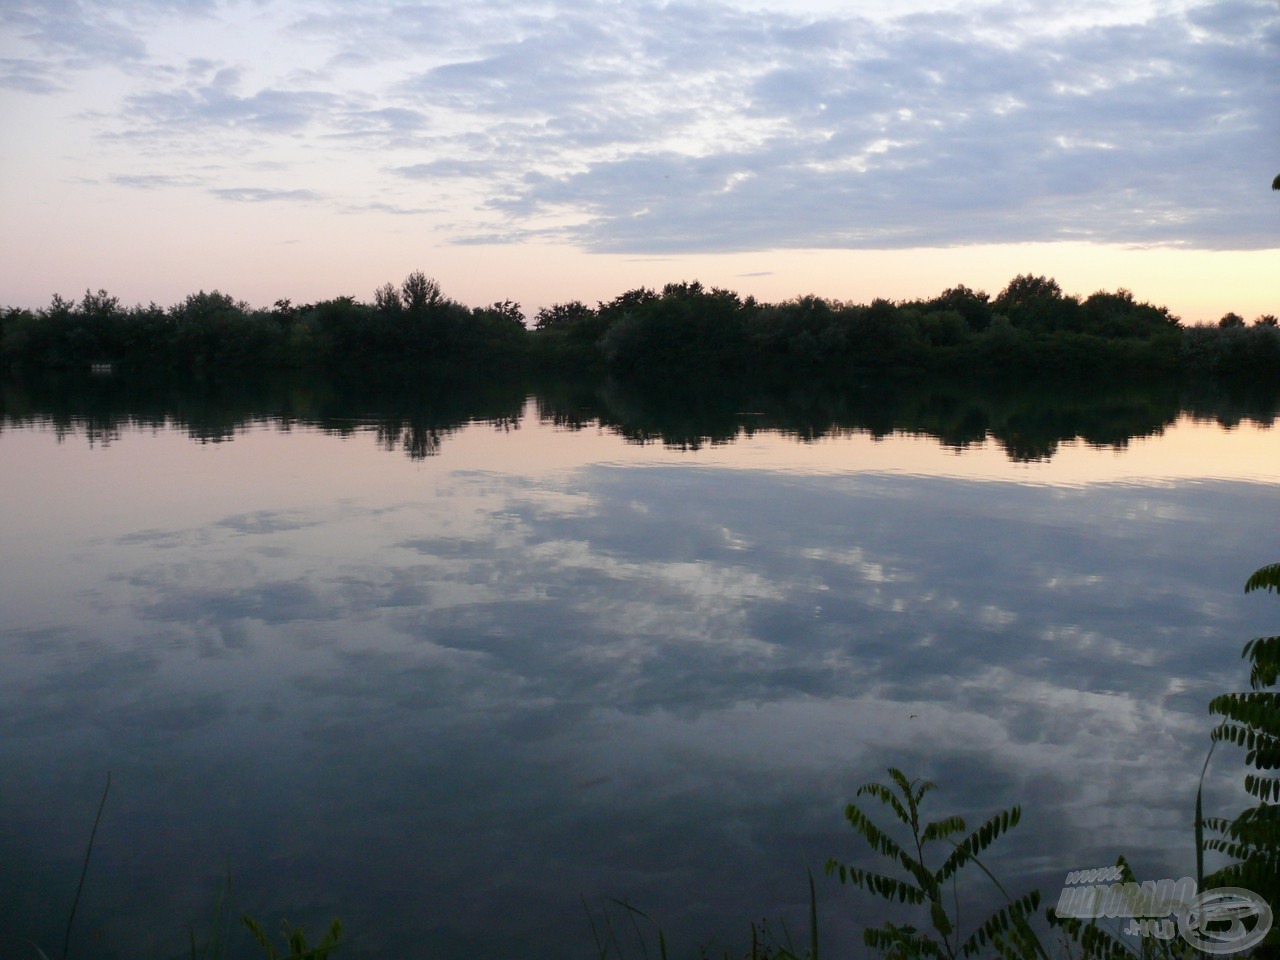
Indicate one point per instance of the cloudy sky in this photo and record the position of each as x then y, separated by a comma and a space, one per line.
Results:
577, 148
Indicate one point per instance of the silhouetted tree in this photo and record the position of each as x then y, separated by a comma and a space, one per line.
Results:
803, 333
386, 299
688, 327
943, 328
1120, 315
1031, 327
1038, 305
504, 311
626, 303
973, 305
568, 334
418, 292
562, 315
1026, 288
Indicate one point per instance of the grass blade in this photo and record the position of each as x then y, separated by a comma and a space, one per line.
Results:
84, 869
813, 919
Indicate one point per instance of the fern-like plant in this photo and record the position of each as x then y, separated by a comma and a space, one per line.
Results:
1090, 940
295, 942
1252, 720
1006, 932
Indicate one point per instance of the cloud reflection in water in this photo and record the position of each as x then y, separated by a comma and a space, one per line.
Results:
445, 719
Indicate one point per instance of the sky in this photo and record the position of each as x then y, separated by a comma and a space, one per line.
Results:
574, 149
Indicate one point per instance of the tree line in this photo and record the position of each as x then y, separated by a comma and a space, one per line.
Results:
1031, 326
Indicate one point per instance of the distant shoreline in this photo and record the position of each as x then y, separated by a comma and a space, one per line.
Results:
684, 331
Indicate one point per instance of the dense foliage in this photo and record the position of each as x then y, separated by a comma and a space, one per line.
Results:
413, 326
1030, 327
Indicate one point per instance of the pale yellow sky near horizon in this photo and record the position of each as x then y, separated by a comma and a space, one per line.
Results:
1198, 286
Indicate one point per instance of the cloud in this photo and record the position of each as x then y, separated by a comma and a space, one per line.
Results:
267, 522
923, 135
394, 210
654, 128
162, 539
438, 169
63, 38
262, 194
215, 105
720, 655
699, 127
396, 124
85, 31
153, 181
28, 76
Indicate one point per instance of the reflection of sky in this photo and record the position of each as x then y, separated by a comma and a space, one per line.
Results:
442, 699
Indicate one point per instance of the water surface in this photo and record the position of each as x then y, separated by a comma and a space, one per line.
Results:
444, 681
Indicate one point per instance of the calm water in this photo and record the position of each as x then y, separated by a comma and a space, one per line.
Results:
444, 684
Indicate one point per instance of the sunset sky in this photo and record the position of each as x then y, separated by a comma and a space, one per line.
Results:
573, 149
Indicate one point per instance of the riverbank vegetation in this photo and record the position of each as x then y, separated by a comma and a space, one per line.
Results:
1031, 328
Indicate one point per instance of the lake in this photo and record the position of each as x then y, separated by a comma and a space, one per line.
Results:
461, 672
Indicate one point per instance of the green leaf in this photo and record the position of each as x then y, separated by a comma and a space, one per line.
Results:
901, 943
1095, 942
885, 796
941, 829
941, 922
979, 840
1264, 578
882, 886
260, 936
